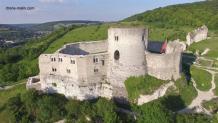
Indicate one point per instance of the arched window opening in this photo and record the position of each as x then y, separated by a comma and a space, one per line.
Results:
116, 55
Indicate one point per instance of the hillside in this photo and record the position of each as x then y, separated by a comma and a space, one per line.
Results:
24, 32
99, 32
50, 26
16, 64
190, 15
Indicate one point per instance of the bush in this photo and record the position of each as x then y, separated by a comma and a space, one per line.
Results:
211, 105
192, 118
153, 112
186, 90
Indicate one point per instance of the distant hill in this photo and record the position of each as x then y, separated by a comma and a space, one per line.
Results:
191, 15
22, 32
50, 26
15, 33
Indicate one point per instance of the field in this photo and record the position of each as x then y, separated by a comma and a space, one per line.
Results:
202, 78
209, 43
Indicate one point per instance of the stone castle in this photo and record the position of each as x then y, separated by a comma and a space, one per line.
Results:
87, 70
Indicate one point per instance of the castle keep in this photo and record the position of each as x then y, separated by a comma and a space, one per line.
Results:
87, 70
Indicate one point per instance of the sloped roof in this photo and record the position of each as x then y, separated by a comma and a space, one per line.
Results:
155, 46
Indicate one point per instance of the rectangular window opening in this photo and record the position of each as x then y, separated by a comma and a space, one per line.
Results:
102, 61
95, 70
72, 61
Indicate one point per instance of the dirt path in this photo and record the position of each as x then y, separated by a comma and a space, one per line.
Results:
157, 94
196, 105
11, 86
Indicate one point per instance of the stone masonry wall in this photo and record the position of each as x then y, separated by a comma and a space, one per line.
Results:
165, 66
197, 35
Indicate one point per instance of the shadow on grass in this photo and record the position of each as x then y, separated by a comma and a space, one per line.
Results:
173, 102
2, 108
187, 60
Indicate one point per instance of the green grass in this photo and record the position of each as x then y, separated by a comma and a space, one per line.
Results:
87, 33
202, 78
205, 63
212, 44
216, 82
187, 92
211, 105
142, 85
4, 96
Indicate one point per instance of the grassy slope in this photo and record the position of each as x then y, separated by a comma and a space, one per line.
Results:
4, 96
202, 78
211, 105
212, 44
142, 85
87, 33
186, 92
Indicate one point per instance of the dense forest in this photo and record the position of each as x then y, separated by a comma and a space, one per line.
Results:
32, 106
190, 15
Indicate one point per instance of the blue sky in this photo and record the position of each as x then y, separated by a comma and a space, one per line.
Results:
54, 10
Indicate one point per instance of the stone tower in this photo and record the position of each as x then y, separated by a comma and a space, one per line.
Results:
126, 48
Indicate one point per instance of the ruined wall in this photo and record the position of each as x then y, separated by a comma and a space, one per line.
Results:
165, 66
74, 89
197, 35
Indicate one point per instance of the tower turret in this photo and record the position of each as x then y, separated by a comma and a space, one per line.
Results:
126, 47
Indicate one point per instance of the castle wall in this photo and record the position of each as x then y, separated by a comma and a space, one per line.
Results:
164, 66
93, 72
61, 62
86, 79
197, 35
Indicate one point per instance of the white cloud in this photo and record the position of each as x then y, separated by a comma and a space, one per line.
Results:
51, 1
